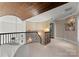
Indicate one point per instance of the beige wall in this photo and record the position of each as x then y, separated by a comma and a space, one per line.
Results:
59, 29
67, 35
37, 26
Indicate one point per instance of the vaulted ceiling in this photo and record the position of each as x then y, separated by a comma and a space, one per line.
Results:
25, 10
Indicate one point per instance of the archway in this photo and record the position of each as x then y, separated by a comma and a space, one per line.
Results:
10, 23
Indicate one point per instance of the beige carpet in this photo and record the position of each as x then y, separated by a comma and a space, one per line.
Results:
57, 48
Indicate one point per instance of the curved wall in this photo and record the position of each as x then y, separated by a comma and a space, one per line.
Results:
38, 26
11, 23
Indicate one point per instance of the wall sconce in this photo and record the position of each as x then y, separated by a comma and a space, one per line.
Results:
29, 40
46, 30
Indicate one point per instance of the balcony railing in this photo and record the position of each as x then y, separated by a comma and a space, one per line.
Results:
6, 38
14, 36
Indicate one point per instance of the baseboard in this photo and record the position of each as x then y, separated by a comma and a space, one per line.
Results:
70, 41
